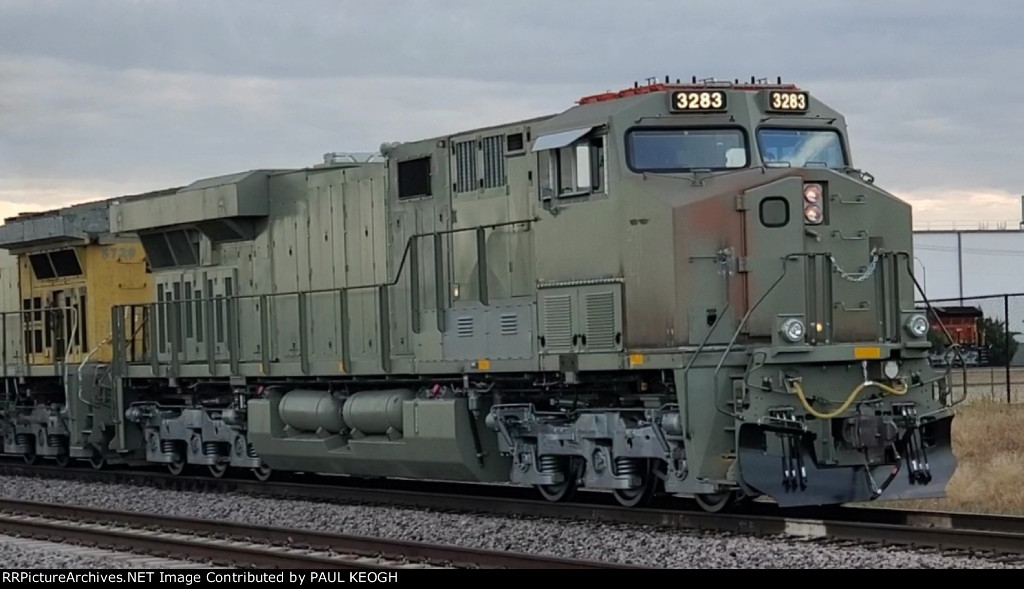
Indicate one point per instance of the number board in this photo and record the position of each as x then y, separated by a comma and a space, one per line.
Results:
697, 101
783, 101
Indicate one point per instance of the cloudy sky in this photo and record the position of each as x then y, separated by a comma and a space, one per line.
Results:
106, 97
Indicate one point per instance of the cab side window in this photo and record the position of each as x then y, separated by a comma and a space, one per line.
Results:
570, 165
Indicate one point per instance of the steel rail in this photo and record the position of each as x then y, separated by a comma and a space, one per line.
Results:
914, 528
263, 546
175, 547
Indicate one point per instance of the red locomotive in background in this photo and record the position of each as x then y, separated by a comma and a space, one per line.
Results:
964, 325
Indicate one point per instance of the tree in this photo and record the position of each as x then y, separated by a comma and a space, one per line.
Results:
993, 333
938, 339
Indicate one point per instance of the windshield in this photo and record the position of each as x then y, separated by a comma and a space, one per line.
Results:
800, 148
680, 150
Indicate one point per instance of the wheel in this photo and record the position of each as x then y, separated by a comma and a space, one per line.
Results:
263, 473
177, 467
218, 470
565, 489
30, 457
97, 461
643, 494
63, 459
559, 492
715, 502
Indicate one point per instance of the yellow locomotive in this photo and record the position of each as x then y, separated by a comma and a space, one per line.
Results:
61, 274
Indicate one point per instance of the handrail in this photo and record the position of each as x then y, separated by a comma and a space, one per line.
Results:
392, 282
50, 326
689, 365
743, 322
949, 337
794, 256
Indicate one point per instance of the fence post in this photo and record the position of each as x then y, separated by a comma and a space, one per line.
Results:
1006, 343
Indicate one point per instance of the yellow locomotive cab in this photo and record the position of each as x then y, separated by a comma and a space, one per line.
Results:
67, 293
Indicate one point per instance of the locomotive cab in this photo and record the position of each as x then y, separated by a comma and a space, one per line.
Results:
69, 272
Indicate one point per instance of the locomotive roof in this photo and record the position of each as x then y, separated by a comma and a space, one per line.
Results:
233, 178
754, 85
594, 108
62, 226
84, 207
588, 110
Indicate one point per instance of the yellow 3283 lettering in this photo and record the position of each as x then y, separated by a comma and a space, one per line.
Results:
704, 100
789, 101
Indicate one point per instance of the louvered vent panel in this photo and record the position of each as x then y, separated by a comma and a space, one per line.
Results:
558, 322
465, 166
600, 320
509, 324
494, 161
464, 327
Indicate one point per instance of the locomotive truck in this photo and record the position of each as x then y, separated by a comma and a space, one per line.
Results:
680, 288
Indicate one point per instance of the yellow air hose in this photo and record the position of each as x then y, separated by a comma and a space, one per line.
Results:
849, 400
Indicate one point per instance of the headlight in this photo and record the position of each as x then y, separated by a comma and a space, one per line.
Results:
917, 325
792, 330
814, 197
812, 193
812, 214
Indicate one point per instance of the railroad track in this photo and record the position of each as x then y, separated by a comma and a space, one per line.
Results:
238, 544
991, 535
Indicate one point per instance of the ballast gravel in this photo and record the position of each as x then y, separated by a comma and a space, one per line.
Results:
27, 553
630, 544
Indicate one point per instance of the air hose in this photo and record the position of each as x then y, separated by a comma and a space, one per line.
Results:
795, 384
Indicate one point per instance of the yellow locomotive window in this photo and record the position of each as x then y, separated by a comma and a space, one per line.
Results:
41, 266
65, 263
55, 264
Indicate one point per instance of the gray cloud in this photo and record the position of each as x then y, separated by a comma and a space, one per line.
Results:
134, 95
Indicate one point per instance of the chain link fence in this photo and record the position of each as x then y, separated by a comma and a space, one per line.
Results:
990, 331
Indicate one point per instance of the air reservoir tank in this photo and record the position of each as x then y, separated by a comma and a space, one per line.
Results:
308, 411
374, 412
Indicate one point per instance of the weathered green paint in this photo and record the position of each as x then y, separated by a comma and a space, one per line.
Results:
450, 267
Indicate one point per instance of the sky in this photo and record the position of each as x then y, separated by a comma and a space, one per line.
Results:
100, 98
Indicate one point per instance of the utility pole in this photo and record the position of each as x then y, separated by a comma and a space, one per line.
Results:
960, 263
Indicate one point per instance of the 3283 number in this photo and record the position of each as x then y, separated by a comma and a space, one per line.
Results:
789, 101
698, 100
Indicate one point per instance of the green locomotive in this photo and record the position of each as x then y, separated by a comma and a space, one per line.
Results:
680, 288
